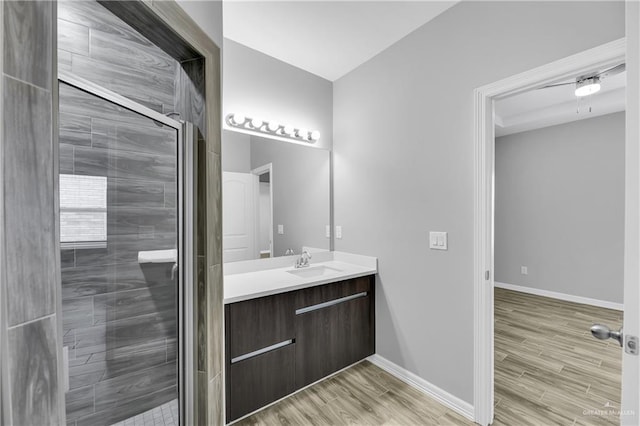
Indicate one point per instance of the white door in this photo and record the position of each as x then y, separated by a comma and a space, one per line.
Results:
239, 216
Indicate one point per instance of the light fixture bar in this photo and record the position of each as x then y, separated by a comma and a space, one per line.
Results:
272, 128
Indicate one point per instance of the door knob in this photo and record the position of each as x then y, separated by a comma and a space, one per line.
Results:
602, 332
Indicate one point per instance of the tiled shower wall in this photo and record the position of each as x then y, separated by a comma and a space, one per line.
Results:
29, 287
30, 377
119, 316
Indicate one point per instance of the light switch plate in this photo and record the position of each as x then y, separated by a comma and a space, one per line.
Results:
438, 240
281, 229
338, 232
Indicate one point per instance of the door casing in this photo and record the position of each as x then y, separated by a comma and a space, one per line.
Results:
600, 57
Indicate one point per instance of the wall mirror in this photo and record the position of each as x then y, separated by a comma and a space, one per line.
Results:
275, 197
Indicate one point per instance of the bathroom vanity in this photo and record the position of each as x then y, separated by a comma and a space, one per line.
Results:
287, 328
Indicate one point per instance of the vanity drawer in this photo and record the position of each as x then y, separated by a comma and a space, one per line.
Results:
255, 382
310, 297
255, 324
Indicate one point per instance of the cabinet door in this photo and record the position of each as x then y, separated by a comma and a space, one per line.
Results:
335, 336
257, 323
260, 380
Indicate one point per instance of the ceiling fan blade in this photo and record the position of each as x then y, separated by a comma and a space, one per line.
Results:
557, 84
613, 71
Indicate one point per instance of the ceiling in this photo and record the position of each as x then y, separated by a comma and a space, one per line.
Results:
326, 38
557, 105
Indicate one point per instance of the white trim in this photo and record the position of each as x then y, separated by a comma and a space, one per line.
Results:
604, 56
561, 296
445, 398
260, 171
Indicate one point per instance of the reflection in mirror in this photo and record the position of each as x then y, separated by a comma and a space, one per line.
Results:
275, 197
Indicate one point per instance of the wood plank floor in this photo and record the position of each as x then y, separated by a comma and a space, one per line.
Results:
548, 368
548, 371
361, 395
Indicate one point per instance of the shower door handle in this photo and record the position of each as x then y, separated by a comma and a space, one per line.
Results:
174, 270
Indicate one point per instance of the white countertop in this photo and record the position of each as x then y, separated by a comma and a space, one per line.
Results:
264, 277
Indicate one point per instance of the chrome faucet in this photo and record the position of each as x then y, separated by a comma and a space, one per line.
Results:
303, 260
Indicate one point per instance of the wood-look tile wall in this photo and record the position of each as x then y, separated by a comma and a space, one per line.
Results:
120, 319
29, 328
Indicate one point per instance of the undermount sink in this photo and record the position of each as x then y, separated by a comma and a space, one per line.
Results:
314, 271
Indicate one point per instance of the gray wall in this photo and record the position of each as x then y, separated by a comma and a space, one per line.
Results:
119, 316
259, 85
300, 182
559, 208
30, 332
208, 15
236, 152
403, 164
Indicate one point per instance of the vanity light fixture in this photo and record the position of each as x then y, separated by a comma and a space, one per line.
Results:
237, 119
289, 130
588, 86
256, 125
303, 134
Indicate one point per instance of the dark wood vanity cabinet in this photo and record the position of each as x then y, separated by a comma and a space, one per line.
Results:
336, 334
260, 357
278, 344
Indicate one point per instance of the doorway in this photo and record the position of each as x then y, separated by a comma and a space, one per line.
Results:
559, 181
265, 210
602, 57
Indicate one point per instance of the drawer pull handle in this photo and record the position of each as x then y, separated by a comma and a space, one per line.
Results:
330, 303
261, 351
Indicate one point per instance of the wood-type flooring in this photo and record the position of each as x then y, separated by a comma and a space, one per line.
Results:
548, 371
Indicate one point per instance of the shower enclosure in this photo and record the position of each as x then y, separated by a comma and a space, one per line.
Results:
126, 225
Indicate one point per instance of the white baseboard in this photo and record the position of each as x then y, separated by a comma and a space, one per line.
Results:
445, 398
561, 296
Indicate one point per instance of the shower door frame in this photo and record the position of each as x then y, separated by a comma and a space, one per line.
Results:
187, 190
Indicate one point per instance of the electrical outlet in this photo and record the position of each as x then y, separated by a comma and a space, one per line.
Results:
524, 270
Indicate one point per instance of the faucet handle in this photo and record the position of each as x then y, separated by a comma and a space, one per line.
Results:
306, 252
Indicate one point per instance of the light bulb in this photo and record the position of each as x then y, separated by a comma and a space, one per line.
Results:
256, 123
587, 87
587, 90
303, 134
315, 135
289, 130
238, 119
273, 126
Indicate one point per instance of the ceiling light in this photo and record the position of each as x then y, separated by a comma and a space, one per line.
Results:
587, 87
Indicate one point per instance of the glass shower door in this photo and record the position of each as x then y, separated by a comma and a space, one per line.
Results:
119, 246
